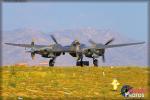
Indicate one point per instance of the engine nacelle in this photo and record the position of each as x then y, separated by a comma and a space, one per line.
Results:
94, 52
88, 53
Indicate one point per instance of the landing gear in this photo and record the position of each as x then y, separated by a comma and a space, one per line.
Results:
82, 63
51, 62
86, 63
95, 62
78, 63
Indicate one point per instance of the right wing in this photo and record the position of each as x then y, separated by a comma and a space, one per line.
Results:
99, 46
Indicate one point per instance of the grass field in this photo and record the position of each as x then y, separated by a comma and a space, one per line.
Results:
86, 83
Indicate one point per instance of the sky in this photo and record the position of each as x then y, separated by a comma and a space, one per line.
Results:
129, 18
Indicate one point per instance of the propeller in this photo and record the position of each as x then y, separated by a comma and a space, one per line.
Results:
107, 43
32, 51
32, 55
57, 44
101, 45
54, 39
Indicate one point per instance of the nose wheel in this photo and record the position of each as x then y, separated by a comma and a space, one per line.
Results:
52, 62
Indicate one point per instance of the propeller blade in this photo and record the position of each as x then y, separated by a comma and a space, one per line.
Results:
92, 42
32, 43
110, 41
32, 55
103, 58
28, 51
54, 39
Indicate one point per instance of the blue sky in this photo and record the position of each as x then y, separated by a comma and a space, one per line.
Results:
129, 18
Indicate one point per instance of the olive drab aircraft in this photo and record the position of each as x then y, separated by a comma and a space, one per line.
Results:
75, 49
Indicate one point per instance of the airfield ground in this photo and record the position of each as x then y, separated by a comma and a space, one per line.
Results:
86, 83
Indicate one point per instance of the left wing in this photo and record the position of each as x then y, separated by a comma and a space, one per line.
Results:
28, 45
40, 47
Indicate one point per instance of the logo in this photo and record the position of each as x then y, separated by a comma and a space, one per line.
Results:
128, 91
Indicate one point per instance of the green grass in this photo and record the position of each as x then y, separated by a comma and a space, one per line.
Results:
86, 83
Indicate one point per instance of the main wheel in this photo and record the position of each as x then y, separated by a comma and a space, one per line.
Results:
51, 63
86, 63
95, 62
79, 63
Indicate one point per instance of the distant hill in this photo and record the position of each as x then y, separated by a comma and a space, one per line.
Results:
133, 55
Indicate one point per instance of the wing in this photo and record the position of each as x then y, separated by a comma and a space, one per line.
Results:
117, 45
27, 45
101, 46
41, 47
